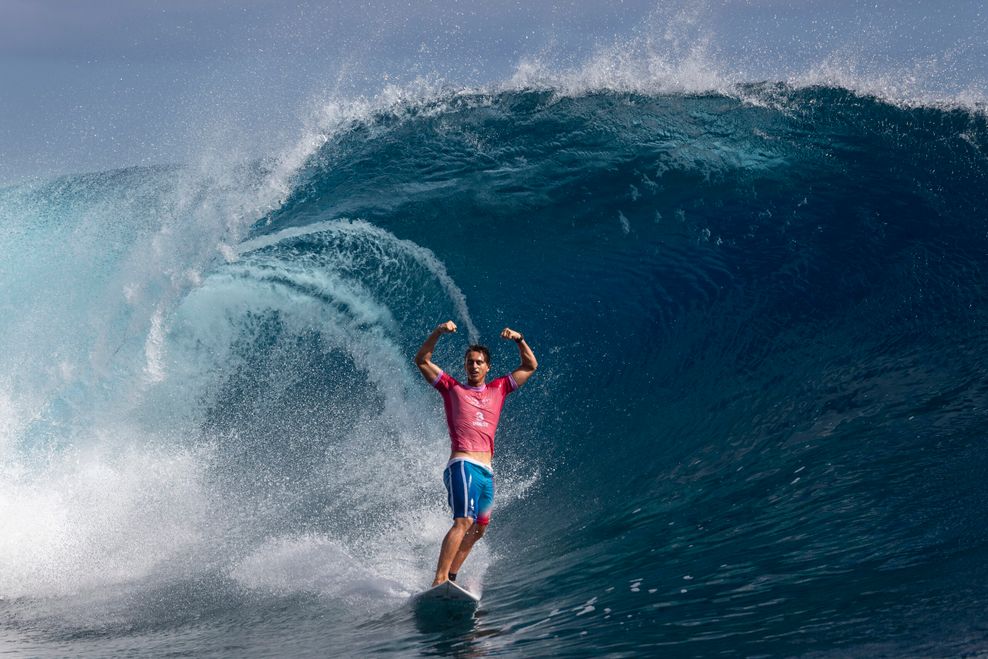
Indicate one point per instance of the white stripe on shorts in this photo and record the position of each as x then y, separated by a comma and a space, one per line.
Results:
463, 473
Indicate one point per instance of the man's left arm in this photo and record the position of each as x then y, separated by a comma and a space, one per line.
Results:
528, 362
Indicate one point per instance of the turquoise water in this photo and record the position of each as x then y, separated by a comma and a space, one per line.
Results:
756, 428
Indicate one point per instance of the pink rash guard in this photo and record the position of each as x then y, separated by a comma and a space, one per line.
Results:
472, 413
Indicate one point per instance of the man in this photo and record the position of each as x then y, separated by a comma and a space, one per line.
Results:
472, 413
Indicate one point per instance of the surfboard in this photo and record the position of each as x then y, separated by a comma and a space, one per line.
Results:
448, 592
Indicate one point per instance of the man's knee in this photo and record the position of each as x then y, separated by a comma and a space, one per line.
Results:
463, 523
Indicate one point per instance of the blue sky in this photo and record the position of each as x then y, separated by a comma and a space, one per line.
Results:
87, 85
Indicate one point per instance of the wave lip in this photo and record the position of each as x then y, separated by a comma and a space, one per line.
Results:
687, 48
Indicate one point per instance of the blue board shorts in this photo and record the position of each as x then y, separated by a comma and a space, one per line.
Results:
471, 490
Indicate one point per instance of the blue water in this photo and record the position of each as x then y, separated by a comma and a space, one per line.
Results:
756, 429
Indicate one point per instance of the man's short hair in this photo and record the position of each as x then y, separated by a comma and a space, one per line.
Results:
480, 349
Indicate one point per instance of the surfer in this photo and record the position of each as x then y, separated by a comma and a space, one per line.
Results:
472, 413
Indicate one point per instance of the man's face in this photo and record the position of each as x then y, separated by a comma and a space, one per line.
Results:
476, 367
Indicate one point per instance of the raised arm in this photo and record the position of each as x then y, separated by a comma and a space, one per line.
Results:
528, 361
423, 358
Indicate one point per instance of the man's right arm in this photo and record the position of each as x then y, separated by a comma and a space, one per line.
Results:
423, 358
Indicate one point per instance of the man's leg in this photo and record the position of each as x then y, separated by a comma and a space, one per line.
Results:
451, 548
473, 534
485, 503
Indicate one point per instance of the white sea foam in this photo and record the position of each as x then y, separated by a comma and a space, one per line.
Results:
677, 50
314, 564
676, 59
97, 517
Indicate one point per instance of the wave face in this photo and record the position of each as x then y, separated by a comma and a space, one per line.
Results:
756, 427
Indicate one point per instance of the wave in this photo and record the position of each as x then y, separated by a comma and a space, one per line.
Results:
755, 427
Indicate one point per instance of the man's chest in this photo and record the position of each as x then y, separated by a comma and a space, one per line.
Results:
479, 401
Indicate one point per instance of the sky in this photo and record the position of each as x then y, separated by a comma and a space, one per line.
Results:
89, 85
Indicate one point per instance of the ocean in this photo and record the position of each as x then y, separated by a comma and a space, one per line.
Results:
757, 428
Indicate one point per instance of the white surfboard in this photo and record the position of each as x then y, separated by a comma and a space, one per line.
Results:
450, 592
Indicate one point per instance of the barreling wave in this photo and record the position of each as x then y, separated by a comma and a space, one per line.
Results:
755, 427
